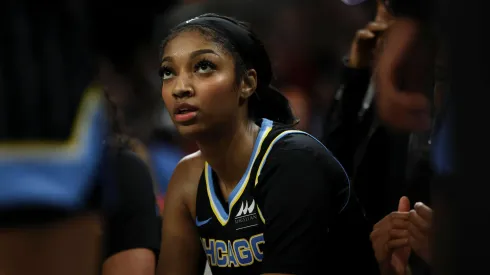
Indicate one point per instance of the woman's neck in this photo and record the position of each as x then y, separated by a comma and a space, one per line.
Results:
230, 152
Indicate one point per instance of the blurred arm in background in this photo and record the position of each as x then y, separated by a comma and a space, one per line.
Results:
343, 131
349, 121
132, 232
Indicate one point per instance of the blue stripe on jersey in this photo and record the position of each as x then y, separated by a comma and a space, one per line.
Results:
215, 202
55, 174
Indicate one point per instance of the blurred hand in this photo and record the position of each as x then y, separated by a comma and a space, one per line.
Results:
366, 40
364, 43
390, 240
420, 229
381, 13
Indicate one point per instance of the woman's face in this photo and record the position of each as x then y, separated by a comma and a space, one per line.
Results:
199, 87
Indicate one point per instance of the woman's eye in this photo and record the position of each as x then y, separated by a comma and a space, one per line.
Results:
166, 74
205, 67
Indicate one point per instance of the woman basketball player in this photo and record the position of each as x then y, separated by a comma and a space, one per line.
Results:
259, 197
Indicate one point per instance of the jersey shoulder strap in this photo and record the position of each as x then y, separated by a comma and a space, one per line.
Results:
277, 132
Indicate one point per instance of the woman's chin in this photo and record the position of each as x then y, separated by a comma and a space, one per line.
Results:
193, 131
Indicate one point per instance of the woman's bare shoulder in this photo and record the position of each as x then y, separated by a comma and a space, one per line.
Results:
190, 166
185, 178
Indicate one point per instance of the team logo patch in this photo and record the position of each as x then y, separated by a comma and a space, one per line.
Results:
247, 215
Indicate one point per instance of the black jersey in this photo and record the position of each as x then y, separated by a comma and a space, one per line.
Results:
38, 182
51, 131
134, 221
276, 220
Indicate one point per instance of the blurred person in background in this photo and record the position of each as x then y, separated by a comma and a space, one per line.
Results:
405, 69
274, 198
404, 102
413, 226
373, 155
384, 163
364, 147
131, 231
405, 77
352, 115
56, 174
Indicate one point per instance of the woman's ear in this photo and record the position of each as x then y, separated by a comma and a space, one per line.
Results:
248, 84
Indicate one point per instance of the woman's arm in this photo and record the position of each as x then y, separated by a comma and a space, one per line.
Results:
181, 248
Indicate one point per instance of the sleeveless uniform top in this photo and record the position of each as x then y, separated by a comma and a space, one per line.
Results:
232, 231
55, 175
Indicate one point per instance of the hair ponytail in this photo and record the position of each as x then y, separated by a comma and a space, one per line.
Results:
271, 104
